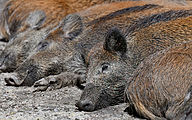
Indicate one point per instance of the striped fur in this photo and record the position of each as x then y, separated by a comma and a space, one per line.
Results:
16, 12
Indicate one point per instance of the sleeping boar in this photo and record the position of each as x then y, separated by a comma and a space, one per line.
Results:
37, 25
112, 62
161, 86
29, 44
19, 47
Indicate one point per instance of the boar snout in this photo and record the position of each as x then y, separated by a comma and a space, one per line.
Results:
86, 101
85, 105
94, 98
11, 79
88, 98
7, 62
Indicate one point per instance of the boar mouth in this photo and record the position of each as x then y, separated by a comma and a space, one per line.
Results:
94, 98
3, 61
104, 100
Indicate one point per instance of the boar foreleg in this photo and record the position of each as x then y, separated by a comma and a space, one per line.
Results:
53, 82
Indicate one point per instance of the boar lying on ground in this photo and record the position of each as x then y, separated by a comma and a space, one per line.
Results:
23, 43
62, 38
37, 25
111, 63
161, 85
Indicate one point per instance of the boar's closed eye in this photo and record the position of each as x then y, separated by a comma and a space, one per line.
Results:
73, 34
105, 67
42, 45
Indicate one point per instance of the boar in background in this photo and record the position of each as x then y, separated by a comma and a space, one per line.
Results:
26, 23
16, 11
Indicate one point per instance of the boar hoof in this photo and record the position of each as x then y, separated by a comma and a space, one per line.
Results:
48, 83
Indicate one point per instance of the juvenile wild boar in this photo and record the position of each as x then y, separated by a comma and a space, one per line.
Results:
19, 47
111, 63
62, 35
37, 25
161, 85
16, 12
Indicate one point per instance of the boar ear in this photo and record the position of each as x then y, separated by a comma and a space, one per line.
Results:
36, 19
115, 42
72, 26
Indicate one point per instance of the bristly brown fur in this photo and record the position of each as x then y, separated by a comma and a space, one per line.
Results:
16, 11
161, 82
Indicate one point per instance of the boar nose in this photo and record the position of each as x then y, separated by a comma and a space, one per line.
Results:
7, 62
85, 105
11, 79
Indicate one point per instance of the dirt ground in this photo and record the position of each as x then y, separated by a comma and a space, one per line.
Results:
20, 103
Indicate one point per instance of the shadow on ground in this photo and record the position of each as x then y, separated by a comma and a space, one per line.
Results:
20, 103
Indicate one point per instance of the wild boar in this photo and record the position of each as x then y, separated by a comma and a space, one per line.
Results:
67, 30
161, 85
112, 62
19, 47
16, 12
37, 25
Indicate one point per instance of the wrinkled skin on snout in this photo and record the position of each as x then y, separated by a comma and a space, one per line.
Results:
23, 43
52, 56
108, 67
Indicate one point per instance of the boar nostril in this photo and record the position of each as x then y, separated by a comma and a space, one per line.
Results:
85, 106
9, 81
